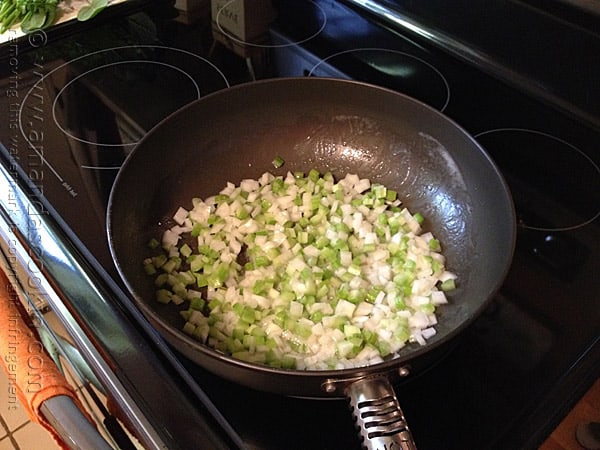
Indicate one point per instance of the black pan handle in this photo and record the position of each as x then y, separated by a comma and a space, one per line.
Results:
378, 415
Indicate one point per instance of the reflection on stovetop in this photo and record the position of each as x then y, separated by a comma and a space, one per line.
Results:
491, 389
396, 70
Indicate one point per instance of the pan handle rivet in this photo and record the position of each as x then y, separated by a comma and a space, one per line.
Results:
404, 371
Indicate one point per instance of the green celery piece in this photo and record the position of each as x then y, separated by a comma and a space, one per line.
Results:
163, 296
448, 285
197, 303
278, 161
150, 269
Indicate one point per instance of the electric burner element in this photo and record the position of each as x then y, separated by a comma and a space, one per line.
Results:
103, 102
153, 71
309, 30
393, 69
81, 118
555, 185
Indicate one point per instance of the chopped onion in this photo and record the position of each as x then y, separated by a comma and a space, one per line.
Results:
302, 272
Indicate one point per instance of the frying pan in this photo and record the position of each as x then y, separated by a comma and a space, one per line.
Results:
329, 125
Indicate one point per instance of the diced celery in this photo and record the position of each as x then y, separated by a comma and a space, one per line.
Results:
278, 161
282, 261
185, 250
314, 175
163, 296
434, 245
448, 285
197, 303
150, 269
159, 260
189, 328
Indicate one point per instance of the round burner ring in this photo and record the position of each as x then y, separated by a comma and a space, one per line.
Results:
259, 45
136, 61
32, 90
536, 166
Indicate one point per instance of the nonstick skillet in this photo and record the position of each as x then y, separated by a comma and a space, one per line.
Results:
329, 125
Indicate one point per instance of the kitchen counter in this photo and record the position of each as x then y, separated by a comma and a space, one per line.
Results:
586, 410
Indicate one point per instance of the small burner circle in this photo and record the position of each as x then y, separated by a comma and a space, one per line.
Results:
554, 183
229, 35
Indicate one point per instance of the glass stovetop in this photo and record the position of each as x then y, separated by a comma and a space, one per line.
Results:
84, 100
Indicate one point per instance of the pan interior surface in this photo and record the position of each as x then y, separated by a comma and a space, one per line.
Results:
329, 125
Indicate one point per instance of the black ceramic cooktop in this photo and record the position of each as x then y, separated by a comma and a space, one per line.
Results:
88, 96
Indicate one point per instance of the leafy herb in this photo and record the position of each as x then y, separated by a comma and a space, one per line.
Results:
95, 6
31, 14
38, 14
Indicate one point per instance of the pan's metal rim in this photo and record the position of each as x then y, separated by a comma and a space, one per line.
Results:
408, 353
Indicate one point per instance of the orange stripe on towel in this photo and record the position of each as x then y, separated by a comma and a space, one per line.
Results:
33, 375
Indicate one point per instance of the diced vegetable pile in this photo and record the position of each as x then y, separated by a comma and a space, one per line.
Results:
301, 271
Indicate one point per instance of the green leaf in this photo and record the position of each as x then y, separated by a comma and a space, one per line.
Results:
88, 12
33, 21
